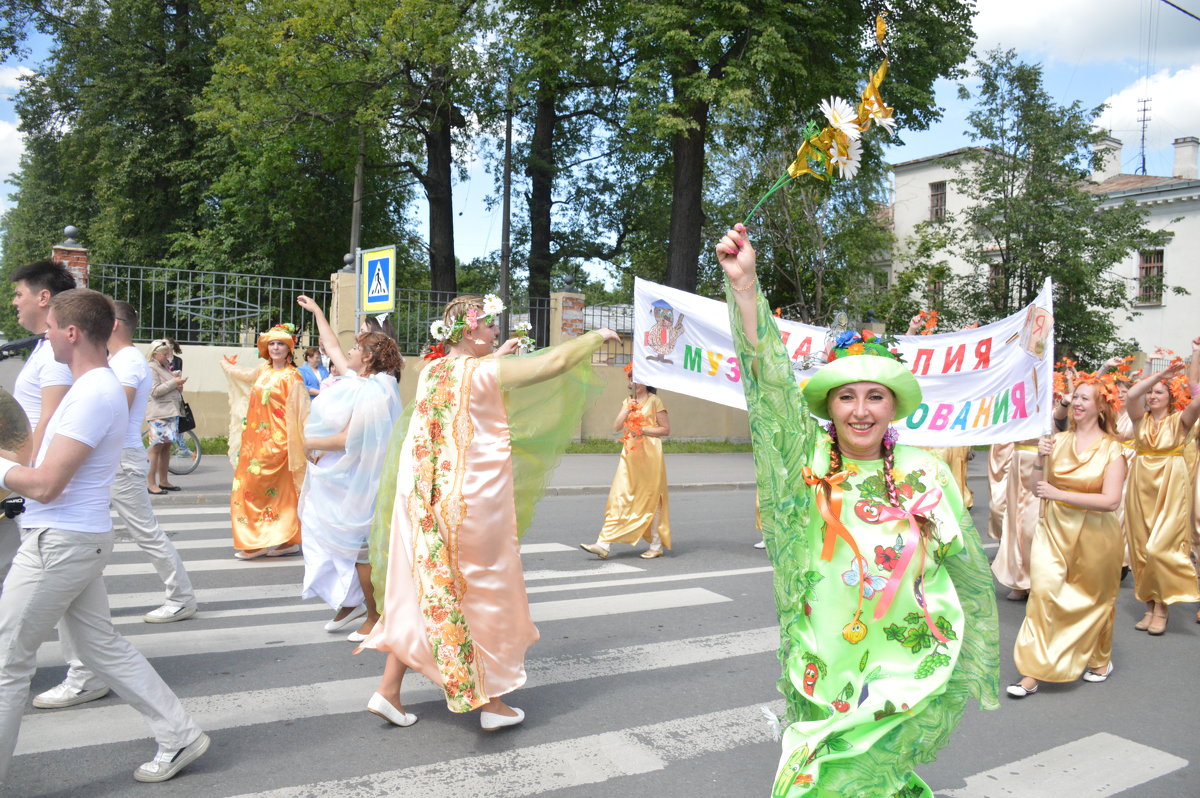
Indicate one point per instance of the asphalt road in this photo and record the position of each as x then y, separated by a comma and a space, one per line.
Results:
648, 680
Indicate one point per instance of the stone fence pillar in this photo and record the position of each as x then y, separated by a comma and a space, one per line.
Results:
566, 316
73, 256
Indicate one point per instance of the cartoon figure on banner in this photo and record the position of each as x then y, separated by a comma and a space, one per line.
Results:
666, 331
1036, 331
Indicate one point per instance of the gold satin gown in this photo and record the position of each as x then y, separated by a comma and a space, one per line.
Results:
1076, 571
1158, 513
269, 462
639, 488
1011, 565
999, 458
956, 457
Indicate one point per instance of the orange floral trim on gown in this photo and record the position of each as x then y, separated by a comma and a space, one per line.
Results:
639, 488
455, 607
270, 464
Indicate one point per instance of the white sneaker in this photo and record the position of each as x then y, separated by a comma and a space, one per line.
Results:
167, 763
169, 613
64, 695
762, 544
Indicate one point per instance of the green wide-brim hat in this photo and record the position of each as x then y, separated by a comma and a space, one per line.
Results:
863, 368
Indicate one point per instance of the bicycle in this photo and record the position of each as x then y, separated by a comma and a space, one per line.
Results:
185, 453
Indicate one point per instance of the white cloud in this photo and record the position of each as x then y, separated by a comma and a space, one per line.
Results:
1091, 31
1173, 110
11, 147
10, 77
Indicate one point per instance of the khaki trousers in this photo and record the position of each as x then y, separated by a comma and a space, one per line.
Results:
132, 503
57, 575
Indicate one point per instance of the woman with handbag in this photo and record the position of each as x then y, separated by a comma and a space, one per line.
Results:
162, 416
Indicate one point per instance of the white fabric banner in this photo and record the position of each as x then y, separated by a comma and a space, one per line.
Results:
991, 384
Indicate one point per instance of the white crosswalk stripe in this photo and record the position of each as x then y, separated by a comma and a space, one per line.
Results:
93, 724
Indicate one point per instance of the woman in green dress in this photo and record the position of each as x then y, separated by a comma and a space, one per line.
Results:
886, 608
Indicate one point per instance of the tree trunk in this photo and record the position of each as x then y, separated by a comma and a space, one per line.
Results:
439, 189
687, 214
541, 173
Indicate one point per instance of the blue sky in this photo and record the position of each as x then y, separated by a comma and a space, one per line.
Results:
1095, 51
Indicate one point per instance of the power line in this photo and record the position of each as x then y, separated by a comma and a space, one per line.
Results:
1181, 9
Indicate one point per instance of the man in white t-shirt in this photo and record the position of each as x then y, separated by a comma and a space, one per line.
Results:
132, 503
43, 381
66, 540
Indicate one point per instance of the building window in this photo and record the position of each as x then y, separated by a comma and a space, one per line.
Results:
937, 201
1150, 277
935, 294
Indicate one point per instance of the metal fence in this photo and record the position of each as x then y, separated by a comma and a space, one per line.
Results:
618, 318
198, 307
230, 309
417, 309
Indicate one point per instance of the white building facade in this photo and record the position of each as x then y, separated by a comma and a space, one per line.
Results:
924, 191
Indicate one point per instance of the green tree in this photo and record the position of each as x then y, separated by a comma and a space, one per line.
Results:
1032, 213
746, 71
823, 245
381, 86
109, 142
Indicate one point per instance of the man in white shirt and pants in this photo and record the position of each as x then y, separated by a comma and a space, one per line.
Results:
43, 381
132, 503
66, 540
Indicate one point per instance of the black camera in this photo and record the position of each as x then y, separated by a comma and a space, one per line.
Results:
13, 506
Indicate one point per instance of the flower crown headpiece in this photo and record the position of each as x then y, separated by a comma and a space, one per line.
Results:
288, 328
849, 342
452, 333
1106, 384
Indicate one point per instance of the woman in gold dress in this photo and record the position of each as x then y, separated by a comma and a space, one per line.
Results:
1158, 498
1011, 566
639, 489
268, 406
1076, 552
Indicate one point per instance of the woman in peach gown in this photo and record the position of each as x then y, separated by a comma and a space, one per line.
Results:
463, 474
1011, 566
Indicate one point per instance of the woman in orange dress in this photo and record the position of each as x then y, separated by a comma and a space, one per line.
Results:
1076, 554
268, 407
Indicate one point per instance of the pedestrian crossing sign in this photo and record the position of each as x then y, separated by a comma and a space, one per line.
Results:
377, 278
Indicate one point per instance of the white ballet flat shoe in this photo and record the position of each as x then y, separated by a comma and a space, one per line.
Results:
378, 705
490, 721
355, 614
1091, 676
1017, 691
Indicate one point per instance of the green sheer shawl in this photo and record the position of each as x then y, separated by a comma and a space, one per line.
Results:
545, 396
